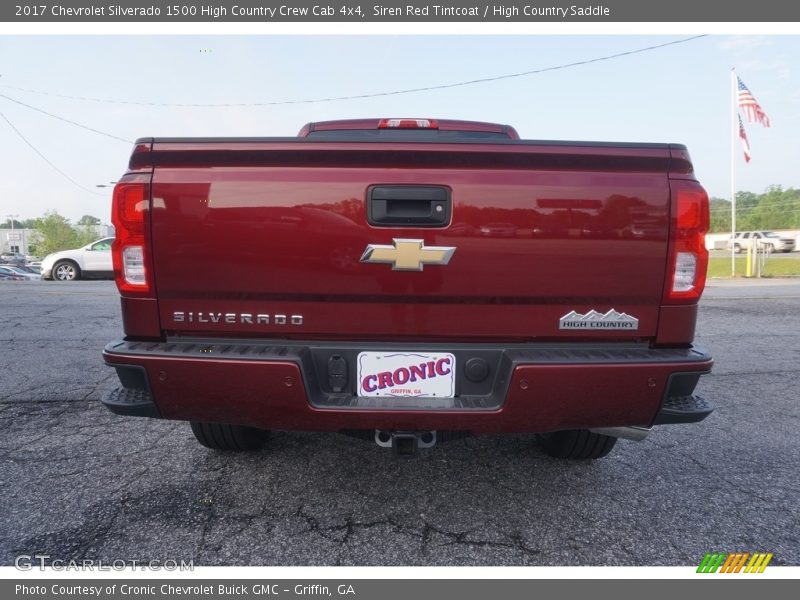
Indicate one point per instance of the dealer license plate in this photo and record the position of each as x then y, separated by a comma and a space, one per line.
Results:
393, 374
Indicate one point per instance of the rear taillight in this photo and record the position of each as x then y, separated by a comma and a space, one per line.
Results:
688, 257
408, 124
130, 216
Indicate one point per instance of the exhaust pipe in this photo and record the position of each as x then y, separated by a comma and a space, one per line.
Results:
637, 434
405, 443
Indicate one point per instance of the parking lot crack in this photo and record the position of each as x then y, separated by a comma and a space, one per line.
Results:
24, 391
341, 533
462, 538
717, 473
98, 384
206, 525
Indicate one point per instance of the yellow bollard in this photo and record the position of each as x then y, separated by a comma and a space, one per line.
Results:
749, 267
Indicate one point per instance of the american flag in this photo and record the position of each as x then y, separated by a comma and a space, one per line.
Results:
745, 143
752, 109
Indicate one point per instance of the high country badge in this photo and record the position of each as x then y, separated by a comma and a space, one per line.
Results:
597, 320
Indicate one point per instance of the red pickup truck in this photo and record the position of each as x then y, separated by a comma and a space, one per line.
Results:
411, 281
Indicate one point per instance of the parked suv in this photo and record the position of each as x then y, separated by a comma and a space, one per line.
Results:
92, 261
769, 239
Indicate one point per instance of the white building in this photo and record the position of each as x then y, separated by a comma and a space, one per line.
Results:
19, 241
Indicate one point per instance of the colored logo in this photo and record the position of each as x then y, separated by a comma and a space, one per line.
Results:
597, 320
408, 255
734, 562
406, 374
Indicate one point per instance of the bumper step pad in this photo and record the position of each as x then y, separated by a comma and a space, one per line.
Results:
130, 402
683, 409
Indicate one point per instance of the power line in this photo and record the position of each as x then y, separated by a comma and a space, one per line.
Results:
777, 205
790, 205
750, 213
371, 95
81, 125
45, 159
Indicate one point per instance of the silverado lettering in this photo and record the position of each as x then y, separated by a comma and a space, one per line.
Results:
443, 276
180, 316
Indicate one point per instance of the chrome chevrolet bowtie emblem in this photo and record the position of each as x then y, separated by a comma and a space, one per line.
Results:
408, 255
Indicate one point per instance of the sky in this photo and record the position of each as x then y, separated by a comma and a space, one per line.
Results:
680, 93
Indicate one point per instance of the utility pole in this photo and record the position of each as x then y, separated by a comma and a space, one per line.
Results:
734, 133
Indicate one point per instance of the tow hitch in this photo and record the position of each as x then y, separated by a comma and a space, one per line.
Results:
405, 443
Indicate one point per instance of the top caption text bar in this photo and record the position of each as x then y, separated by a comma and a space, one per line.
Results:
249, 11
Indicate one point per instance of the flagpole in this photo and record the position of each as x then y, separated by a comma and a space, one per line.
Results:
733, 165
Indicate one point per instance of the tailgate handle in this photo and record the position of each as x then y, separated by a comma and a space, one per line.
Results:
408, 205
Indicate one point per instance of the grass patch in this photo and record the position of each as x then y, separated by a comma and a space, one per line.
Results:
775, 267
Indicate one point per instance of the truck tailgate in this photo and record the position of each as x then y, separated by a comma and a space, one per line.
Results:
265, 239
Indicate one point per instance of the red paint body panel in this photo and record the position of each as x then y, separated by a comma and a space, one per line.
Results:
676, 325
681, 164
140, 318
556, 397
580, 228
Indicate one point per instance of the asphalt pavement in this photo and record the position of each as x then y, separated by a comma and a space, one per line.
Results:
79, 482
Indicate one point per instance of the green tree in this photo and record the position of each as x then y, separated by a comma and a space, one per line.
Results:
57, 234
89, 220
19, 224
776, 208
7, 224
720, 210
23, 224
87, 232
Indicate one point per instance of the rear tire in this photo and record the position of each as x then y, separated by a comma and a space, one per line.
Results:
737, 248
580, 444
233, 438
66, 270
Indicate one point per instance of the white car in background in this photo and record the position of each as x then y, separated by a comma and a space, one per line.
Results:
765, 239
93, 261
20, 271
